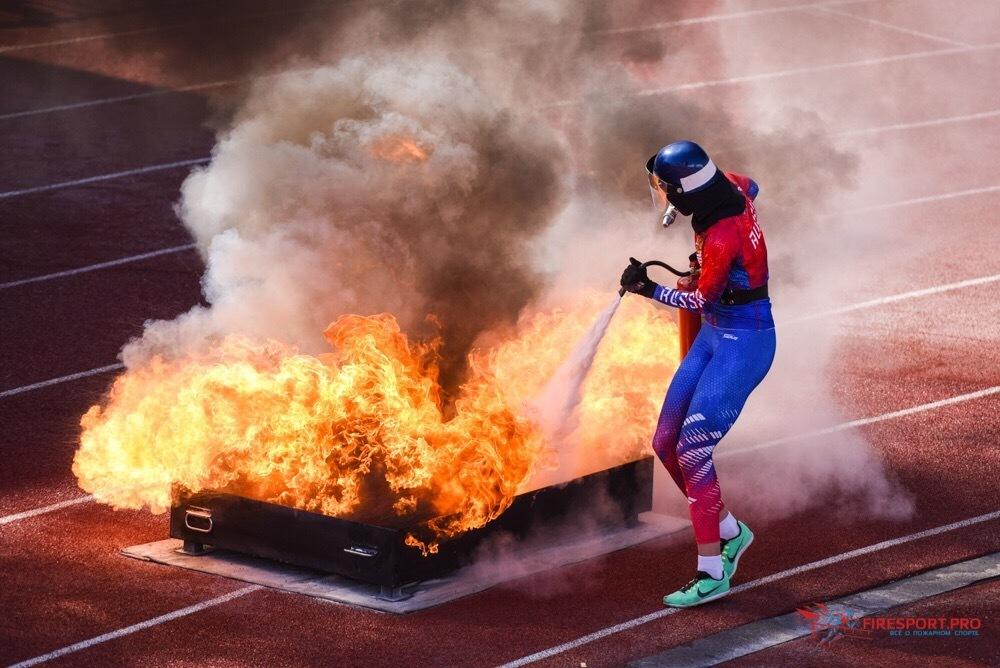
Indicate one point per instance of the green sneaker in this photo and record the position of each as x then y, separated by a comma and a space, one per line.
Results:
734, 548
702, 589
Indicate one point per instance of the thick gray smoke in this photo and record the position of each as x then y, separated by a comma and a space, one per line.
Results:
370, 185
465, 159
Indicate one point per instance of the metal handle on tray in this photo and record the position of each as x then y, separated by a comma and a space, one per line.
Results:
361, 551
203, 515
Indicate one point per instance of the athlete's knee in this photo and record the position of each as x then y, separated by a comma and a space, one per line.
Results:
665, 447
664, 453
665, 437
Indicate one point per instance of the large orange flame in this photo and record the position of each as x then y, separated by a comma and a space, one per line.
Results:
361, 431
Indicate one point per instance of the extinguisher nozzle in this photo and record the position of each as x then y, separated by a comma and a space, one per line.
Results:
669, 216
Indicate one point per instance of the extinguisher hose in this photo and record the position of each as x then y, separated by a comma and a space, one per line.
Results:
658, 263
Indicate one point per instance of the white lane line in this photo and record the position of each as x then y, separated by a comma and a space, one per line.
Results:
61, 379
878, 129
890, 26
103, 177
901, 296
7, 519
228, 20
149, 623
933, 122
915, 200
861, 422
714, 18
99, 265
89, 38
831, 67
775, 577
84, 104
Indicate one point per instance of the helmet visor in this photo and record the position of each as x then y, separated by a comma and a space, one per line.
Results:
657, 189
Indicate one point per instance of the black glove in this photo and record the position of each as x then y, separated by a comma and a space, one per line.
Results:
636, 280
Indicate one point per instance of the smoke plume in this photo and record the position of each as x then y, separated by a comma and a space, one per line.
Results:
369, 186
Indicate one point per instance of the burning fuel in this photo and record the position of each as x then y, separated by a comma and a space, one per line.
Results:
362, 431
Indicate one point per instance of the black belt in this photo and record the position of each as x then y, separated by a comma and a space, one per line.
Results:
734, 297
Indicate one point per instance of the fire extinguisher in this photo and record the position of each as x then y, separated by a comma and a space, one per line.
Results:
688, 322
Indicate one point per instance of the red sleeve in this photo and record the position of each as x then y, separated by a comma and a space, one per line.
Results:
722, 245
745, 183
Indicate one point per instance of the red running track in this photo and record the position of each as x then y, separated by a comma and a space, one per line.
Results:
67, 583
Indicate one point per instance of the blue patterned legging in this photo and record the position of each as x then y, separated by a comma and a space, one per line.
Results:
703, 401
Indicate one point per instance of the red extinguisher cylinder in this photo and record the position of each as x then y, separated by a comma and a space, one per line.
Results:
688, 326
688, 322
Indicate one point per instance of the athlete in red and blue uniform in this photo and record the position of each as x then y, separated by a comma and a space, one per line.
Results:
730, 356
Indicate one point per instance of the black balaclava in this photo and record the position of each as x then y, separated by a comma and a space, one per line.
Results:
719, 199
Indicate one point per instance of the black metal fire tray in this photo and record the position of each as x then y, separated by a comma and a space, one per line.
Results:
374, 552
